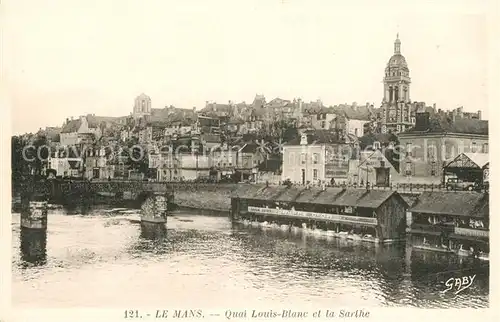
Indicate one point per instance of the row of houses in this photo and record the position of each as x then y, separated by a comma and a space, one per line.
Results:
348, 138
418, 155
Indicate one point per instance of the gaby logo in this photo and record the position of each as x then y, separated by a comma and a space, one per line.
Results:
458, 284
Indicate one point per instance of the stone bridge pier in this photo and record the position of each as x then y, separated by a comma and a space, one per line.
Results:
33, 234
154, 211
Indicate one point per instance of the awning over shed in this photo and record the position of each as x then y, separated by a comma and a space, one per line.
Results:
469, 160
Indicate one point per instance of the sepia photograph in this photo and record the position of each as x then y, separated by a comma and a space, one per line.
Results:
234, 160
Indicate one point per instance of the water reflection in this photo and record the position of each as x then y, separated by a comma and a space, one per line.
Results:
33, 246
233, 265
398, 274
153, 231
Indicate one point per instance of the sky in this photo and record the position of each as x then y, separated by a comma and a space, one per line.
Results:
65, 58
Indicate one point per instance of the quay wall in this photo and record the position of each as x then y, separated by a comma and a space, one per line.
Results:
209, 196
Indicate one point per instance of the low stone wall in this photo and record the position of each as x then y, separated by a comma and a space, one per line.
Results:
209, 196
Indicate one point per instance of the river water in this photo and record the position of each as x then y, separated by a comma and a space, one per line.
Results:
101, 260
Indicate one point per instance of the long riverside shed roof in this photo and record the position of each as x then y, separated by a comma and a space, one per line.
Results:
314, 195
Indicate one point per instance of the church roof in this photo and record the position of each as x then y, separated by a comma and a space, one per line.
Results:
397, 60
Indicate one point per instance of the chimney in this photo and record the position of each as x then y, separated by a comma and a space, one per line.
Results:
434, 107
479, 114
422, 121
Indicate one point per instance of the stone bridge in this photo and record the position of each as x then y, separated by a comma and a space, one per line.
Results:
56, 188
155, 198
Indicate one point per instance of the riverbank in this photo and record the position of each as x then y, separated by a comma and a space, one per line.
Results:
209, 197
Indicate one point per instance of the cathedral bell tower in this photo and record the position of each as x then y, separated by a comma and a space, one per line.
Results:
396, 101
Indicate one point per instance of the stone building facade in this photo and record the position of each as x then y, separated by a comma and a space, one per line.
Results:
142, 106
433, 142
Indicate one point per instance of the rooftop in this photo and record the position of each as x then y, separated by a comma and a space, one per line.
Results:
328, 196
319, 137
464, 204
445, 124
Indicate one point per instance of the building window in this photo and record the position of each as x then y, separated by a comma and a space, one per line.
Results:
408, 149
408, 169
356, 132
303, 158
433, 168
376, 145
315, 158
474, 147
485, 148
399, 128
323, 124
431, 152
315, 174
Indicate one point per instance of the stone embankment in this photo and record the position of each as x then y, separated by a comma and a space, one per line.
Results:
209, 196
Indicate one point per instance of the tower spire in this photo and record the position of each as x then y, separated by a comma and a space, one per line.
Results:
397, 45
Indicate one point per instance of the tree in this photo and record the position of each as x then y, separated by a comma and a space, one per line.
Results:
18, 165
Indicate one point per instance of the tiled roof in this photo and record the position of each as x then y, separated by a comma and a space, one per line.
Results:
370, 138
328, 196
362, 198
443, 124
467, 204
319, 137
72, 126
363, 112
472, 126
95, 121
172, 114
